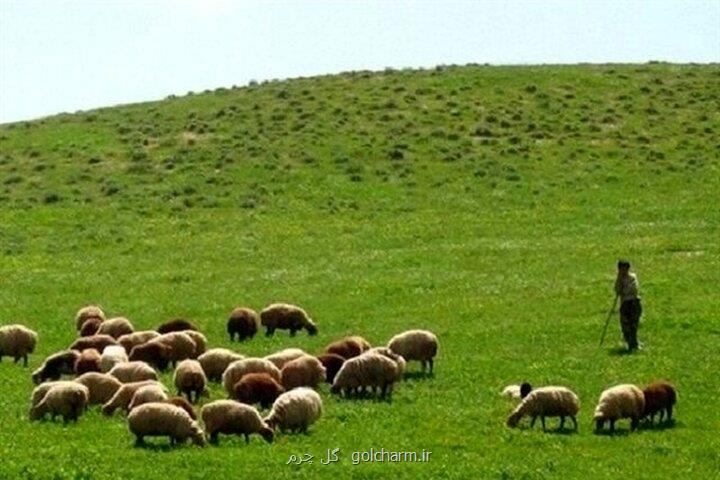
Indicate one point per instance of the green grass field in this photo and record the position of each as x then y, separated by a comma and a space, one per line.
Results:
488, 204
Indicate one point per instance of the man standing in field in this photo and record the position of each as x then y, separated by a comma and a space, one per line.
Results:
626, 287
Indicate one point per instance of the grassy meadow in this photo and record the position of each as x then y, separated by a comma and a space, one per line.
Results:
488, 204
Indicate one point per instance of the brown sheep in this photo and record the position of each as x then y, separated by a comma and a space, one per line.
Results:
257, 388
154, 353
175, 325
184, 404
86, 313
282, 316
659, 397
243, 322
56, 365
116, 327
88, 361
305, 371
90, 327
98, 342
347, 348
332, 363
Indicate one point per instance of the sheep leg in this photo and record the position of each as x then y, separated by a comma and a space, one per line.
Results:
247, 439
612, 426
562, 421
431, 365
269, 332
25, 361
669, 412
574, 420
383, 390
16, 359
542, 420
634, 423
214, 438
532, 422
422, 363
293, 332
139, 441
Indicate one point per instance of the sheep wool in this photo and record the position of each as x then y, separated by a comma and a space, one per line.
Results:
257, 388
154, 353
421, 345
279, 359
67, 399
129, 372
385, 351
164, 420
184, 404
98, 342
283, 316
123, 396
200, 342
181, 345
347, 347
111, 356
230, 417
137, 338
618, 402
243, 323
56, 365
660, 396
116, 327
368, 370
86, 313
90, 327
147, 394
295, 410
305, 371
175, 325
17, 341
101, 386
547, 402
216, 360
189, 378
237, 369
88, 361
332, 363
39, 392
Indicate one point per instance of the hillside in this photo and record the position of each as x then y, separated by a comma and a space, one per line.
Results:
488, 204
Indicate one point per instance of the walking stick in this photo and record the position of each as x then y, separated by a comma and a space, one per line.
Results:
607, 321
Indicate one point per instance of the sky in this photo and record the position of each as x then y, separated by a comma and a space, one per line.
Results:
63, 56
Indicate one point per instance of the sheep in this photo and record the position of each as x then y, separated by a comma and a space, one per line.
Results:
216, 360
184, 404
116, 327
660, 396
138, 338
111, 356
279, 359
67, 399
39, 392
243, 323
368, 370
164, 420
257, 388
385, 351
618, 402
419, 345
547, 402
332, 363
230, 417
305, 371
295, 410
347, 347
98, 342
90, 327
86, 313
181, 345
123, 396
238, 368
175, 325
130, 372
517, 391
200, 342
189, 378
147, 394
102, 386
17, 341
364, 344
56, 365
154, 353
88, 361
286, 317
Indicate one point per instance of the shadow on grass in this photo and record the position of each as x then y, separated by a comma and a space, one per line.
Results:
620, 351
618, 432
413, 376
159, 447
366, 397
659, 426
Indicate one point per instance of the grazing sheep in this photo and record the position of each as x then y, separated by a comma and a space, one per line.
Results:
364, 344
98, 342
123, 396
164, 420
189, 378
56, 365
243, 323
347, 347
257, 388
154, 353
39, 392
216, 360
332, 363
660, 397
367, 370
305, 371
67, 399
181, 345
385, 351
419, 345
90, 327
200, 342
138, 338
238, 368
102, 386
86, 313
116, 327
230, 417
130, 372
618, 402
148, 394
286, 317
184, 404
295, 410
88, 361
547, 402
111, 356
175, 325
279, 359
17, 341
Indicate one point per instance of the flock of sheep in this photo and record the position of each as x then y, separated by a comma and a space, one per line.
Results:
116, 367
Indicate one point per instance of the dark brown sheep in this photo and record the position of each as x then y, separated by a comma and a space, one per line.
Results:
184, 404
88, 361
282, 316
156, 354
175, 325
98, 342
660, 397
90, 327
243, 322
56, 365
257, 388
347, 347
332, 363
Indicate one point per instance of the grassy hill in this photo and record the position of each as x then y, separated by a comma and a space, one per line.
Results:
488, 204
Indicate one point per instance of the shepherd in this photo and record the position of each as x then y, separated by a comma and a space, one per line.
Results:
626, 288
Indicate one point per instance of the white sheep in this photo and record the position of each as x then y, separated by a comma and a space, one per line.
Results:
116, 327
216, 360
618, 402
367, 370
137, 338
129, 372
123, 396
230, 417
86, 313
295, 410
189, 378
102, 386
238, 368
200, 342
304, 371
421, 345
68, 399
517, 391
181, 345
111, 356
17, 341
148, 394
547, 402
164, 420
39, 392
279, 359
398, 359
